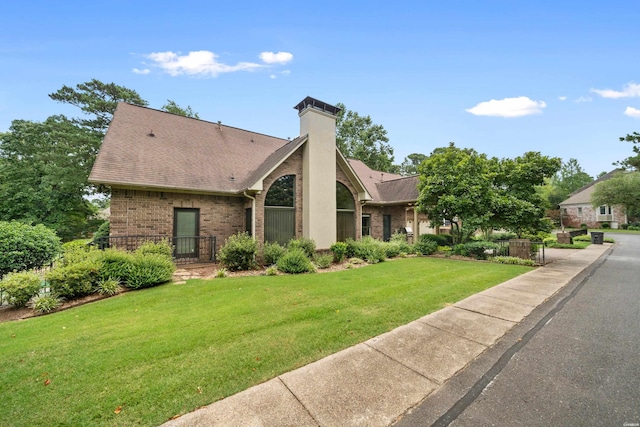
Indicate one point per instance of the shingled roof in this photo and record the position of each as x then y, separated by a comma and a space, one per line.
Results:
154, 149
385, 187
582, 196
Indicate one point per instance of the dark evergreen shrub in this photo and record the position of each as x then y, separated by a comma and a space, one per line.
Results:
478, 249
426, 246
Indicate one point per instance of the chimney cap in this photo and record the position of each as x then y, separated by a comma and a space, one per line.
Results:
318, 105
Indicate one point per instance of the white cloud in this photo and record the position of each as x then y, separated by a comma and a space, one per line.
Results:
276, 58
584, 99
632, 112
562, 98
138, 71
508, 107
286, 72
273, 76
630, 90
201, 62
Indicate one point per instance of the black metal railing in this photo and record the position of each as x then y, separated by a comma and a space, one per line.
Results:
186, 250
537, 251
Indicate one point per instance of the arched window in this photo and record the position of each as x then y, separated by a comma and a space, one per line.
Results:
346, 206
280, 211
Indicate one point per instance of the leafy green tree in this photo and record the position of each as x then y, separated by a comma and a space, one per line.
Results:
455, 185
43, 174
622, 189
173, 108
359, 138
409, 165
631, 162
98, 100
517, 204
572, 177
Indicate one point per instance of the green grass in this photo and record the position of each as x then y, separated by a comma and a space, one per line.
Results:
576, 245
167, 350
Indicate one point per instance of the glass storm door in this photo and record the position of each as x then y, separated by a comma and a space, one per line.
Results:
186, 225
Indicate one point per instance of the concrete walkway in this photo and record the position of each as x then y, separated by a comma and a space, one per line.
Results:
373, 383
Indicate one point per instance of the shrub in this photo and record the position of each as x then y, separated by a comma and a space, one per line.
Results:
550, 240
108, 287
74, 280
582, 238
401, 240
23, 247
221, 273
438, 239
295, 261
369, 249
77, 251
116, 264
392, 249
477, 249
239, 252
513, 260
149, 270
42, 304
161, 248
624, 226
634, 228
271, 253
102, 231
271, 271
355, 261
502, 236
583, 226
426, 245
605, 225
20, 287
323, 261
339, 250
304, 243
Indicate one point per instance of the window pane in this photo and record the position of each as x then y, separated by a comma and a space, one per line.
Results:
344, 199
281, 192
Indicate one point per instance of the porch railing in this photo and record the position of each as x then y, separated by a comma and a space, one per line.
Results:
186, 250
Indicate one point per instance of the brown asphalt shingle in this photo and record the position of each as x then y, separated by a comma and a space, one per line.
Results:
183, 153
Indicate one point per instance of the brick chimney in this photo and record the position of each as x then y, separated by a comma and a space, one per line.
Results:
318, 122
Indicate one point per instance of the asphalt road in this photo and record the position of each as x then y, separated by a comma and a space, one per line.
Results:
575, 361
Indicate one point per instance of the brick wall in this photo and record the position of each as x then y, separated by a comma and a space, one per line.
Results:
572, 219
139, 212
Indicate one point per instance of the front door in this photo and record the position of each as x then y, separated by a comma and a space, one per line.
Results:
386, 228
186, 227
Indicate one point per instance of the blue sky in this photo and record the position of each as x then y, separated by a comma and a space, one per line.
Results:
502, 77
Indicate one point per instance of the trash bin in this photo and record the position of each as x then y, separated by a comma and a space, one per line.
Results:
597, 237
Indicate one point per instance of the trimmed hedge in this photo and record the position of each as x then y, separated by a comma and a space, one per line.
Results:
20, 287
239, 252
75, 280
149, 270
24, 247
476, 249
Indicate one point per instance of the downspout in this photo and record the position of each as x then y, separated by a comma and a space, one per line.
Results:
253, 214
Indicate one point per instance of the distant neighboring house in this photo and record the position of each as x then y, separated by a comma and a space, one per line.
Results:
577, 209
181, 177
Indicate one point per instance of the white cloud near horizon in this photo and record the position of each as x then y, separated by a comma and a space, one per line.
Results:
630, 90
508, 107
207, 64
276, 58
632, 112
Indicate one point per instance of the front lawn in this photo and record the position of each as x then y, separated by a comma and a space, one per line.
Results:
142, 357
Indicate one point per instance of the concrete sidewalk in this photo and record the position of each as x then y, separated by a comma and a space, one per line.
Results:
375, 382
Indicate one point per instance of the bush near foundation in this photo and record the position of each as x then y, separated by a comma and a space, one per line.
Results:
239, 252
295, 261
